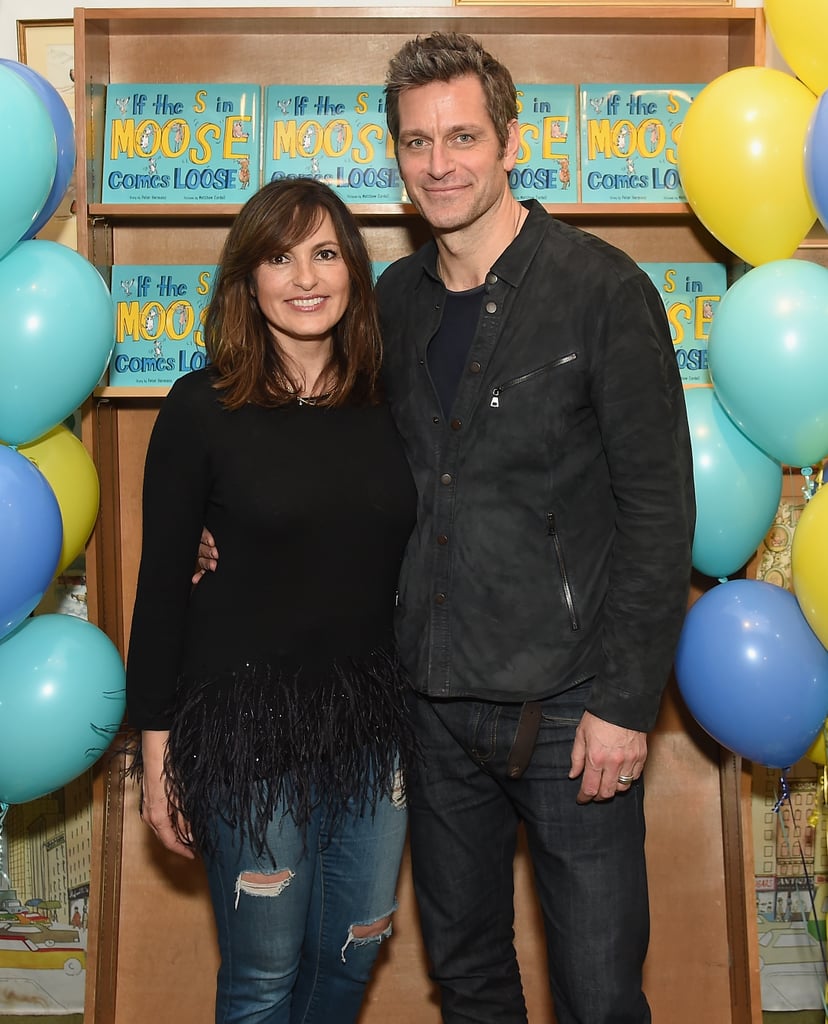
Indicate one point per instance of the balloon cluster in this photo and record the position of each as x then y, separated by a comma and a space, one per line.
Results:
752, 662
61, 678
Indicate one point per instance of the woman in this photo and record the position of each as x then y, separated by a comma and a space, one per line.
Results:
269, 697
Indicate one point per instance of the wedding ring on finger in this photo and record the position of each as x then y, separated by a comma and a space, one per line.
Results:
626, 780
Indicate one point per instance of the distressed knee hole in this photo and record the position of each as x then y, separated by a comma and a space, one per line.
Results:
362, 934
256, 883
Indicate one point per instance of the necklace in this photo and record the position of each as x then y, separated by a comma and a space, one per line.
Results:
312, 399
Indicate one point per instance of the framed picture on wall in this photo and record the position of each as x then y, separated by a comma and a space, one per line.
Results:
48, 47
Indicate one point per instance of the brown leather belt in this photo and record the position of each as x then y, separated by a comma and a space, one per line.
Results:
526, 736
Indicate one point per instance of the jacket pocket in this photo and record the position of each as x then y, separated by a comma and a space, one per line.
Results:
498, 391
566, 584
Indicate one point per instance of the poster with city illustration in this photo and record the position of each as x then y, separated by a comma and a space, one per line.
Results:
691, 293
159, 317
174, 143
546, 165
629, 142
334, 133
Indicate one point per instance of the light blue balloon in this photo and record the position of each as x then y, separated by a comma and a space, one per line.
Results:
816, 158
28, 167
31, 536
738, 487
752, 672
62, 699
57, 332
64, 130
768, 358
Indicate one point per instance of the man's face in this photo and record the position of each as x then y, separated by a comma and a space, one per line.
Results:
449, 154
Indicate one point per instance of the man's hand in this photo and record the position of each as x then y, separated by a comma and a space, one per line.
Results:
608, 758
155, 809
207, 554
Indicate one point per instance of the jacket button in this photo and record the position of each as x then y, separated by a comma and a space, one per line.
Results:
435, 419
445, 478
474, 367
491, 307
440, 598
456, 424
491, 278
442, 539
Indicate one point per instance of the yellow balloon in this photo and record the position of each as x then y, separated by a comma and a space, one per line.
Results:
809, 563
800, 30
71, 474
741, 162
816, 751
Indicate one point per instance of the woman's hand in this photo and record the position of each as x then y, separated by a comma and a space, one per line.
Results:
156, 811
207, 555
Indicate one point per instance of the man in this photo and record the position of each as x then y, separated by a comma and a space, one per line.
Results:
532, 376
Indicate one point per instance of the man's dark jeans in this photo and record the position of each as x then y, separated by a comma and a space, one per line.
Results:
588, 861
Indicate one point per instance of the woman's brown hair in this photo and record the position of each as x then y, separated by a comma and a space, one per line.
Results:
249, 366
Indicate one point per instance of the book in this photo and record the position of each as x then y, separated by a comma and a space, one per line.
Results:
691, 293
546, 166
159, 315
181, 143
334, 133
629, 142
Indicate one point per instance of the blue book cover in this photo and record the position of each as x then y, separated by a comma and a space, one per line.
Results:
181, 143
159, 318
691, 293
629, 142
334, 133
547, 161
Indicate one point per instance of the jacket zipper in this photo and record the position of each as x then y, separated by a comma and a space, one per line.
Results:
496, 392
552, 530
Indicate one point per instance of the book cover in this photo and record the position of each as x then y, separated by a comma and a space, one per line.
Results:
181, 143
547, 161
629, 142
691, 293
334, 133
159, 315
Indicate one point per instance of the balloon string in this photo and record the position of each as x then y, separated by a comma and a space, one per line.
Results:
809, 487
785, 797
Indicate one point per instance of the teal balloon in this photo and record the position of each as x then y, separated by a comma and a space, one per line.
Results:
31, 537
738, 487
62, 699
57, 332
768, 358
30, 155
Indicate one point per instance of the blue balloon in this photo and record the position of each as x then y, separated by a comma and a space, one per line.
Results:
28, 167
64, 136
57, 332
62, 699
816, 158
31, 536
768, 358
753, 673
738, 487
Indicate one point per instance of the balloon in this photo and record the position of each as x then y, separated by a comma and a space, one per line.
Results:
800, 30
809, 563
737, 487
752, 672
28, 168
816, 158
740, 162
64, 131
57, 332
61, 702
30, 538
767, 353
816, 751
70, 472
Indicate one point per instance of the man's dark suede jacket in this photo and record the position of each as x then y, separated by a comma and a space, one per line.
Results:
556, 506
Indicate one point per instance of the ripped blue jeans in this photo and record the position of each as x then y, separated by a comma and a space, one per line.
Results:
298, 942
